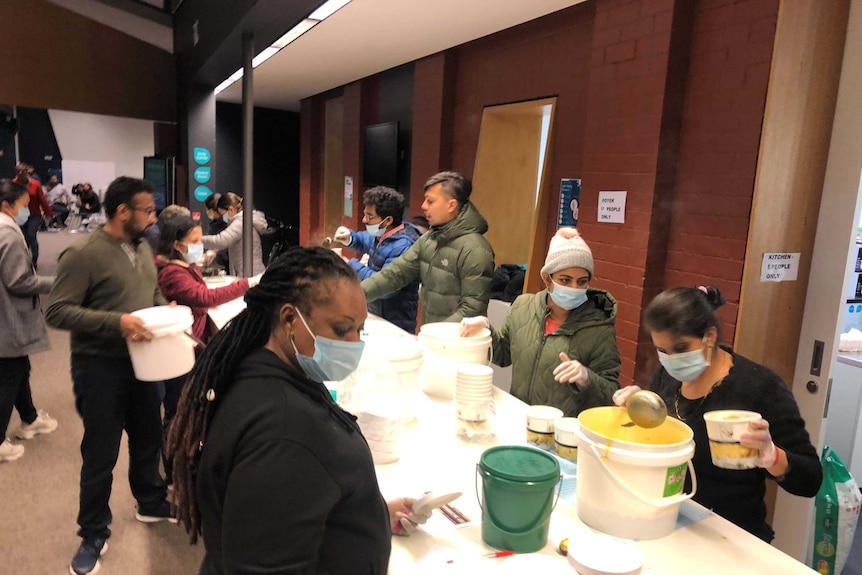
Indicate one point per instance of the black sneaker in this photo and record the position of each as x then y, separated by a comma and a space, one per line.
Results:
86, 560
156, 515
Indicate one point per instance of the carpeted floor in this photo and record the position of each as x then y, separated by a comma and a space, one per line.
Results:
40, 491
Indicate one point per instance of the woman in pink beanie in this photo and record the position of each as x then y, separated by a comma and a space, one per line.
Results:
560, 342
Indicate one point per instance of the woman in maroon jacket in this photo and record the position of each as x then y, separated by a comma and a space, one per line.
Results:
180, 279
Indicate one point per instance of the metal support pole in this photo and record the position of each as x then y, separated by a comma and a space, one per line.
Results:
247, 154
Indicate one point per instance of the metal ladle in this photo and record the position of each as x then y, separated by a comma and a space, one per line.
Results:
646, 409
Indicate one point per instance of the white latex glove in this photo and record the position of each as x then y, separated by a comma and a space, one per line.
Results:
759, 438
254, 280
342, 236
473, 325
622, 395
403, 519
571, 371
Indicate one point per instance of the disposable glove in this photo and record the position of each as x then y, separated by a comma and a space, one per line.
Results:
622, 395
254, 280
474, 325
403, 519
571, 371
759, 438
342, 236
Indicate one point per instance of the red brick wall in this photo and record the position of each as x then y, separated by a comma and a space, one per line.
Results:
546, 57
661, 98
725, 95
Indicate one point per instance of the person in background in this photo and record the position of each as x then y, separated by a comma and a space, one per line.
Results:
58, 196
385, 238
284, 481
24, 330
88, 200
101, 279
560, 342
421, 222
39, 207
698, 375
216, 226
230, 208
167, 214
180, 279
453, 260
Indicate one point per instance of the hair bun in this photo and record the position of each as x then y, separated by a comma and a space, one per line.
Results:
713, 296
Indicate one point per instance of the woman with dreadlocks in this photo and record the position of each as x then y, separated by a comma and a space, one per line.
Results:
270, 471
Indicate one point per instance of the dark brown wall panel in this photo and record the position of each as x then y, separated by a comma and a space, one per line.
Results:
56, 59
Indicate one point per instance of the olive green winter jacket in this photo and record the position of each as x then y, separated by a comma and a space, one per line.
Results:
455, 264
587, 335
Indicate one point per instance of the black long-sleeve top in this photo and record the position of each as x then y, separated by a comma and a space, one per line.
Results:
737, 495
283, 487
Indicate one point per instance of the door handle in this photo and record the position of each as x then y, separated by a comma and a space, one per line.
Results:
817, 357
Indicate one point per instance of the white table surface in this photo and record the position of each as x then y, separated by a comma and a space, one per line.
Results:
433, 458
221, 314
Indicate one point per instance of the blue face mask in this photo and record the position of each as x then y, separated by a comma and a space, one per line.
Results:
333, 359
568, 298
194, 254
375, 230
685, 366
22, 216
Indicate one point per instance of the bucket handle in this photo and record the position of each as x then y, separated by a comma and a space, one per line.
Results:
663, 502
195, 339
482, 507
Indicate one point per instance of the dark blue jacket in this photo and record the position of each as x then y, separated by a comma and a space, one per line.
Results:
400, 307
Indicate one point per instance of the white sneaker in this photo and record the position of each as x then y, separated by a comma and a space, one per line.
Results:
43, 423
9, 451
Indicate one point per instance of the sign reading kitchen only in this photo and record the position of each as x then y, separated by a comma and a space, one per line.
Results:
779, 267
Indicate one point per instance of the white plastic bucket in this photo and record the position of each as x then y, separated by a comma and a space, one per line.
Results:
406, 361
631, 479
171, 353
443, 350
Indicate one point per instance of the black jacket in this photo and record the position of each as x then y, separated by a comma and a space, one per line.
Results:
737, 495
284, 487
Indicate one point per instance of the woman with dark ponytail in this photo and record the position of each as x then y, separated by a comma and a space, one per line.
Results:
266, 466
697, 376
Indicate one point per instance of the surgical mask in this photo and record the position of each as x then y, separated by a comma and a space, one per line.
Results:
333, 359
22, 216
225, 218
685, 366
375, 230
568, 298
194, 254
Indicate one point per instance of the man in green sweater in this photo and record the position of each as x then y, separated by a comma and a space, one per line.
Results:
101, 279
453, 260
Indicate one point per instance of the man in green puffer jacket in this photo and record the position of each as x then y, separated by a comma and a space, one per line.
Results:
453, 260
561, 342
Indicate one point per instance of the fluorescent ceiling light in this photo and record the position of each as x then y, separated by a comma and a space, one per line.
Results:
230, 80
263, 56
324, 11
223, 86
328, 9
295, 33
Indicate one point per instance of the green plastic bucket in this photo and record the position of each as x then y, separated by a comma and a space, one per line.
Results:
517, 496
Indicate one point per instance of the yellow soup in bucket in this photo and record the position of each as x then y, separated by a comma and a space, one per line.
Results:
614, 423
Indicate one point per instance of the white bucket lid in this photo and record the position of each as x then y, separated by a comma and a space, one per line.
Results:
598, 554
165, 319
450, 331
